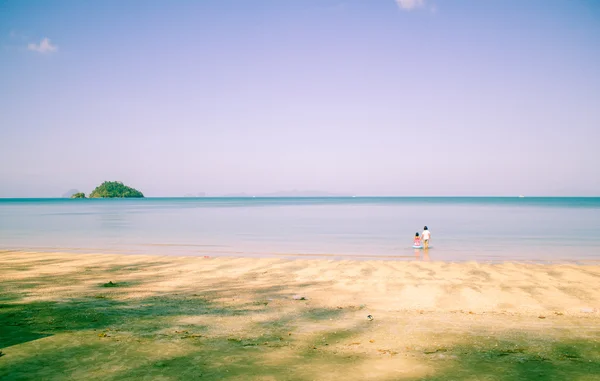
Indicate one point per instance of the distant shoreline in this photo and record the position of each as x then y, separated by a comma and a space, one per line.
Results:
310, 197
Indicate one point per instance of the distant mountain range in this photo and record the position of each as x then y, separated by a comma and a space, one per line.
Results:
69, 193
199, 194
291, 193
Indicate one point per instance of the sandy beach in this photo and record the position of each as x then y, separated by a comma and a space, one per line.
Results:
103, 316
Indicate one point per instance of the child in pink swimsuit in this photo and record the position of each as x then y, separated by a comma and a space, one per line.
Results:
417, 241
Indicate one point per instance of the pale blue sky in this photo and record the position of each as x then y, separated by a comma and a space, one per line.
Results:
377, 97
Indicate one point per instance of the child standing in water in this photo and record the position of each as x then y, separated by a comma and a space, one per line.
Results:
417, 241
426, 236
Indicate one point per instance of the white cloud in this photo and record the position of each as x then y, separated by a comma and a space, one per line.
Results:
408, 5
45, 46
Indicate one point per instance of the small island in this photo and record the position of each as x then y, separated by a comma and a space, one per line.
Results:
115, 189
78, 195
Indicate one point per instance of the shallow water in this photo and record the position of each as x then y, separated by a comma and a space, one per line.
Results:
463, 228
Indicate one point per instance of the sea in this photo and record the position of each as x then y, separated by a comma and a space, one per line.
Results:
483, 229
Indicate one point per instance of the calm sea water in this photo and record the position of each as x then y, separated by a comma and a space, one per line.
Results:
464, 228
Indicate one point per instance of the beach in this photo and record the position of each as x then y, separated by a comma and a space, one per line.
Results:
105, 316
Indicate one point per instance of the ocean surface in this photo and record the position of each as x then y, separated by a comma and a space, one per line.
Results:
462, 228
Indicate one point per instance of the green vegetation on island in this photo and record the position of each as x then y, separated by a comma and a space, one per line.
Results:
78, 195
115, 189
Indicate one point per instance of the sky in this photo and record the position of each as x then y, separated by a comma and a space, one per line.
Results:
367, 97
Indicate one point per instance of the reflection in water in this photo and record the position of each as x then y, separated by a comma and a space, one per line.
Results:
424, 256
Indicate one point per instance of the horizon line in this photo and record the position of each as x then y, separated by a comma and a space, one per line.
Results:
270, 197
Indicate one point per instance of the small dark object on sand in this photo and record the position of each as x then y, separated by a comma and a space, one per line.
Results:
109, 284
370, 317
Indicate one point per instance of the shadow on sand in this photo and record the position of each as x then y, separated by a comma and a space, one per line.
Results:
103, 333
